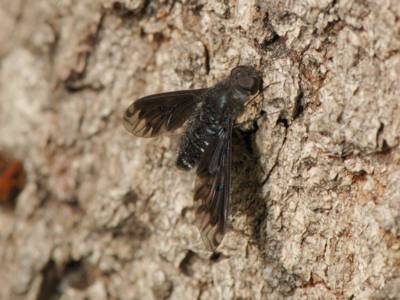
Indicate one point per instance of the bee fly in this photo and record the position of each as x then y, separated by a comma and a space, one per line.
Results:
210, 114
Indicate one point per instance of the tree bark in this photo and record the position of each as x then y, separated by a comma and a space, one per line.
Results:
316, 168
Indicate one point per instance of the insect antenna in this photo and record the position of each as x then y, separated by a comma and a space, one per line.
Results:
260, 92
279, 111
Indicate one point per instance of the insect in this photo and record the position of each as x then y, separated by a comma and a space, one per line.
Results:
209, 115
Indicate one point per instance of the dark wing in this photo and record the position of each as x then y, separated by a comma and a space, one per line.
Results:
212, 191
155, 114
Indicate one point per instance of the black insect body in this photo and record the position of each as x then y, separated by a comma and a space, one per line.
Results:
206, 144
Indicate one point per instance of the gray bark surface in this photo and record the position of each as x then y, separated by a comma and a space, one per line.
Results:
315, 206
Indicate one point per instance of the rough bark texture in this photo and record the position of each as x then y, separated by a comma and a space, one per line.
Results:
316, 187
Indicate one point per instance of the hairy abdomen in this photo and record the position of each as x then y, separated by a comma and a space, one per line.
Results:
199, 134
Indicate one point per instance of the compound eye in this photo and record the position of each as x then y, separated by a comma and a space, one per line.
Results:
247, 82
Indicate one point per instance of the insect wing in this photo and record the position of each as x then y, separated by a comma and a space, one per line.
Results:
155, 114
212, 190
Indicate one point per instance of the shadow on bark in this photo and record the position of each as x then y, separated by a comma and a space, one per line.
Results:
248, 178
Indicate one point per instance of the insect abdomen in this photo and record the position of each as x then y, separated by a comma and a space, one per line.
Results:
198, 136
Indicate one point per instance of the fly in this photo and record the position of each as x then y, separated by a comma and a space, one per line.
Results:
206, 144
